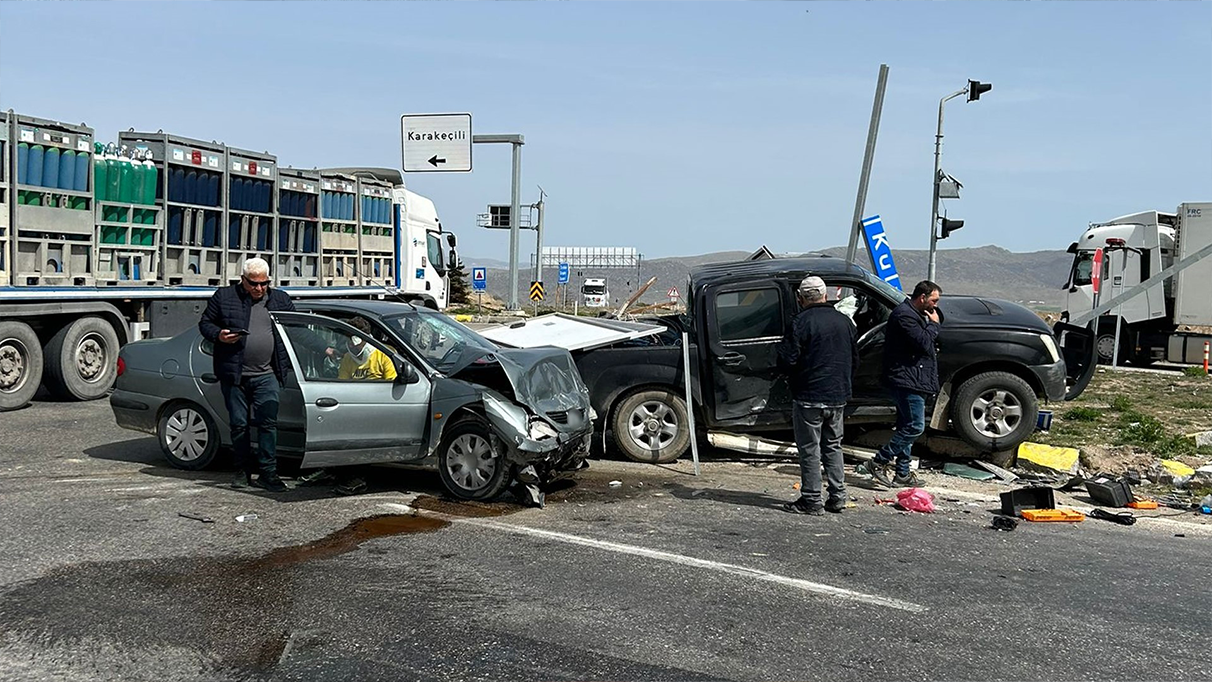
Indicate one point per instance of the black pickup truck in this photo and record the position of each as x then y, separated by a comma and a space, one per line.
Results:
997, 361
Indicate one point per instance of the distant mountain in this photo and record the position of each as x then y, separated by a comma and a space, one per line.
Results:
1033, 279
473, 262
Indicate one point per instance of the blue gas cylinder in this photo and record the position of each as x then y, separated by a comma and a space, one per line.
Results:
22, 162
175, 215
33, 173
233, 232
67, 170
80, 176
309, 206
50, 168
189, 192
210, 228
211, 193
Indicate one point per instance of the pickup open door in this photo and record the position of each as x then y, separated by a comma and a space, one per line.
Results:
744, 326
354, 416
1080, 350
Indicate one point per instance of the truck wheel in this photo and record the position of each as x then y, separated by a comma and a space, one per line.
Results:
81, 359
188, 436
470, 467
652, 426
994, 411
20, 365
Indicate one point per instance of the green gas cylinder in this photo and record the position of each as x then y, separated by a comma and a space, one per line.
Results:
113, 174
126, 177
100, 178
149, 178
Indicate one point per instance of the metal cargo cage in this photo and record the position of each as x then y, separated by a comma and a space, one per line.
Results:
298, 243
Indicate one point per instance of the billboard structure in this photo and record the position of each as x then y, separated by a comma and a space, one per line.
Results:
591, 257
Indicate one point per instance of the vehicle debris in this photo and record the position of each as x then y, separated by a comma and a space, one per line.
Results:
964, 471
1004, 523
195, 517
1053, 515
243, 518
1048, 457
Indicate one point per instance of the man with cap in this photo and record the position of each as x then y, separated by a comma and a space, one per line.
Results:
820, 355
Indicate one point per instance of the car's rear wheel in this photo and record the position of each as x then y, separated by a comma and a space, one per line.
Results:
20, 365
994, 411
188, 436
470, 464
652, 426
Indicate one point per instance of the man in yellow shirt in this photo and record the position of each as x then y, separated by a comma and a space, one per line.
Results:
364, 362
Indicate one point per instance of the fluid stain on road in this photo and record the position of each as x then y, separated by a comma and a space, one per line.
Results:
233, 613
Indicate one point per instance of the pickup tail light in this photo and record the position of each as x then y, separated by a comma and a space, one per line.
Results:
121, 367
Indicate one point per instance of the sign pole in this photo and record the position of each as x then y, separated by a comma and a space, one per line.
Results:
873, 130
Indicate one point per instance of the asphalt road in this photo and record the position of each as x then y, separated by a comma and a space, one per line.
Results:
666, 576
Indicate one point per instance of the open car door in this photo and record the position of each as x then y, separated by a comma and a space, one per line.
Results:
374, 408
1078, 348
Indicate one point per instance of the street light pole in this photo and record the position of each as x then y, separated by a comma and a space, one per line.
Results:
938, 167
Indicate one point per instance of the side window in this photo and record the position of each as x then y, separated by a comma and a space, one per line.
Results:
749, 314
863, 307
1083, 268
357, 358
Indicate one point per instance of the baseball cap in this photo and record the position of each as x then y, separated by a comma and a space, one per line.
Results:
812, 284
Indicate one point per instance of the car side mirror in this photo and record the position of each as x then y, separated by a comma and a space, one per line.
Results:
405, 373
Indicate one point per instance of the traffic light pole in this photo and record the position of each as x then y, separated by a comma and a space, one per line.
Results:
938, 167
516, 141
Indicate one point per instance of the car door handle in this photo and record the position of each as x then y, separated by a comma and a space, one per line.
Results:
731, 359
209, 378
326, 402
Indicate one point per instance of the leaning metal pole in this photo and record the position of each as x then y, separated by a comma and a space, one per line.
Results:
860, 200
938, 167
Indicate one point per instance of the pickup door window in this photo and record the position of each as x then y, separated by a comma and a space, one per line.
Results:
355, 413
869, 311
747, 323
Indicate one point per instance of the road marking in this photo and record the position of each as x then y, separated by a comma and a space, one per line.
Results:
681, 559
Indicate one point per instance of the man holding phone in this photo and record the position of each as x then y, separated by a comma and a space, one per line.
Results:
251, 364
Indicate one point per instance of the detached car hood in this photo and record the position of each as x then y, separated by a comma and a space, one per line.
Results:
974, 311
545, 380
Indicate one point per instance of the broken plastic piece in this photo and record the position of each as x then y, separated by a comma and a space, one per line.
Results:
1047, 457
615, 484
196, 517
968, 472
1005, 523
246, 517
1051, 515
1143, 504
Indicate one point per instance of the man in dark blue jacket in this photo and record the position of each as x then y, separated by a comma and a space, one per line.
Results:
820, 354
911, 375
251, 363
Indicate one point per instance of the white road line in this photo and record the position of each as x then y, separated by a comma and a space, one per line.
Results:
681, 559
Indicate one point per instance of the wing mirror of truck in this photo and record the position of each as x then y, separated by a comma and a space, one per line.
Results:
452, 241
405, 373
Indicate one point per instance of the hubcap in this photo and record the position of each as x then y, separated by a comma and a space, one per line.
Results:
471, 462
186, 435
90, 358
997, 412
1105, 345
653, 425
12, 365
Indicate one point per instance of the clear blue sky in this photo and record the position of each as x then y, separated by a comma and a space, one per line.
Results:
677, 128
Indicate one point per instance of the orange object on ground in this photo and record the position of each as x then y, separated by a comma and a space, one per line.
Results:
1067, 515
1143, 504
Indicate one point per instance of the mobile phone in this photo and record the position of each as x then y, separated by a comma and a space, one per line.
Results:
238, 332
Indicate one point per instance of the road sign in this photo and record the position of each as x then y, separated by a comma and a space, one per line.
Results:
436, 143
536, 291
1096, 270
673, 294
479, 279
881, 253
564, 273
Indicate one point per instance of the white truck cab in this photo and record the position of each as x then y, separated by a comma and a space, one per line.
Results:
595, 293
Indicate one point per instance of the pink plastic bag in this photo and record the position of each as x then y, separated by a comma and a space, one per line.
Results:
915, 499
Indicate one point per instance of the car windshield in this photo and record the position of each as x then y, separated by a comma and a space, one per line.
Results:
442, 342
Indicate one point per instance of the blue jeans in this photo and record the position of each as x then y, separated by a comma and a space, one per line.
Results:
818, 437
910, 423
254, 402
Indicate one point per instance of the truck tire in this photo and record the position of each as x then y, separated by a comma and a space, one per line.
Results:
188, 436
469, 465
20, 365
651, 426
994, 411
81, 359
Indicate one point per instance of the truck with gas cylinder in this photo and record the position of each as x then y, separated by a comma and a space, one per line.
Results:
998, 361
1145, 281
105, 244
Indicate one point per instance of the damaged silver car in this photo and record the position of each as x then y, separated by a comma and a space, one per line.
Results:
484, 416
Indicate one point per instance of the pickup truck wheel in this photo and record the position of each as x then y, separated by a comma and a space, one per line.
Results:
470, 466
20, 365
81, 359
652, 426
188, 436
994, 411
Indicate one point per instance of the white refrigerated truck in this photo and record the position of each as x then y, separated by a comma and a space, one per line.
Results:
1155, 274
84, 270
594, 292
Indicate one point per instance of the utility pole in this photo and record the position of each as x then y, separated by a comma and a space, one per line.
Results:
860, 201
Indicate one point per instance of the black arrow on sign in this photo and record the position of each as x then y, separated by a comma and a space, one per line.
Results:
434, 160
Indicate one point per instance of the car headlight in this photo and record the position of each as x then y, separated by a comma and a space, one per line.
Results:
1050, 344
540, 429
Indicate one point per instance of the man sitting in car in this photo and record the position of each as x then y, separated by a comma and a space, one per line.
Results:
364, 362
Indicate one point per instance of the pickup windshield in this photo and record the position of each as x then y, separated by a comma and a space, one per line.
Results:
444, 344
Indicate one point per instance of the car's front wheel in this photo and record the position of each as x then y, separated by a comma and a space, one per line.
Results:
994, 411
188, 436
470, 465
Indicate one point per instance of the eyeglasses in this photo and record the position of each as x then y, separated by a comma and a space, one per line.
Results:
252, 283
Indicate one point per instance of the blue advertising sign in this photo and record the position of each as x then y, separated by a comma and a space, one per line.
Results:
563, 273
881, 253
479, 279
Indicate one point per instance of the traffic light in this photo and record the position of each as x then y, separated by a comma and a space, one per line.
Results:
950, 226
976, 89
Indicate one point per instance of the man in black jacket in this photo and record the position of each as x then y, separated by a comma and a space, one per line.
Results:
911, 375
251, 363
820, 353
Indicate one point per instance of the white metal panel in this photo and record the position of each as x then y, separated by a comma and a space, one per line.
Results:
568, 332
1193, 286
